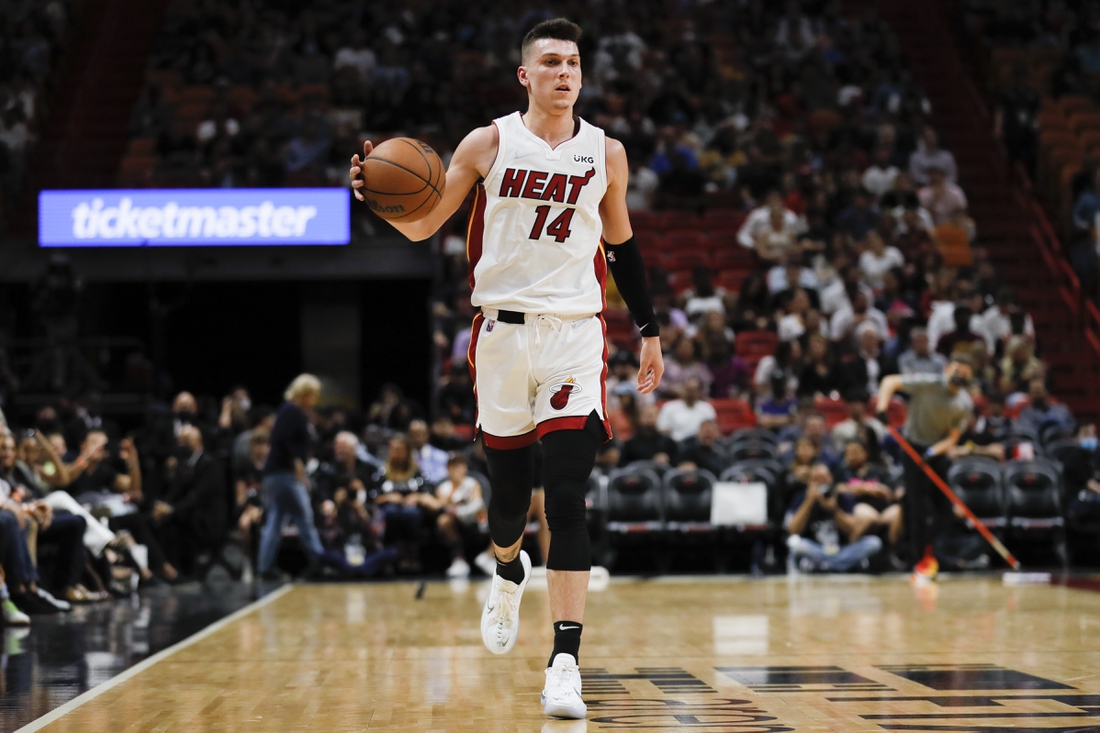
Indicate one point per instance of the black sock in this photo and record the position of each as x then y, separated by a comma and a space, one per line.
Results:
512, 571
567, 640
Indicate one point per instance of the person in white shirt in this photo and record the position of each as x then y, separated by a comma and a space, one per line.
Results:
780, 277
356, 55
461, 505
432, 460
996, 323
878, 260
759, 220
858, 310
680, 419
879, 177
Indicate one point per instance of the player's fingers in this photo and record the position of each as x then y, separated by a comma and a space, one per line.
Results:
358, 195
368, 146
358, 183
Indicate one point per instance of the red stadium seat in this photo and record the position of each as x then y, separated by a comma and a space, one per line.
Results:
752, 346
730, 258
677, 220
833, 410
734, 415
724, 220
680, 281
681, 242
683, 259
730, 280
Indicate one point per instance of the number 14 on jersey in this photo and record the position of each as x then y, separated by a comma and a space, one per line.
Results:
558, 228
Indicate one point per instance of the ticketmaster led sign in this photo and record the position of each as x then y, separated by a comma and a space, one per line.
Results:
194, 217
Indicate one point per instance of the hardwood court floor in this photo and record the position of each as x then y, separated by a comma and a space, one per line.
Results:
814, 654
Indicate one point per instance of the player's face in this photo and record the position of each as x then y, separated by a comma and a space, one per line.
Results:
552, 73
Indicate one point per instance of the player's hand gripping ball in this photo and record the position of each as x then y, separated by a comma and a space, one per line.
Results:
400, 180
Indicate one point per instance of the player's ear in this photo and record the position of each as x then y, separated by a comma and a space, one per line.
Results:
521, 73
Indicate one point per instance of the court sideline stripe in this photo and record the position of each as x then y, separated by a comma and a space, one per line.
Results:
145, 664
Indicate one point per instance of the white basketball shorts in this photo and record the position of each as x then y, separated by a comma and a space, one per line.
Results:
537, 377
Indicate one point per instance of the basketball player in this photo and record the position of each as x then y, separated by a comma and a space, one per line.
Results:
549, 186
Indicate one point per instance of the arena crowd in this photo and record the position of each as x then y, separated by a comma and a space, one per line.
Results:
832, 248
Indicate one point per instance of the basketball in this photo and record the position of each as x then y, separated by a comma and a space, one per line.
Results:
405, 179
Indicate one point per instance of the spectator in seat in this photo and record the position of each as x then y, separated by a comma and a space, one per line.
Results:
703, 297
649, 443
701, 451
929, 155
432, 461
878, 259
461, 506
1086, 234
777, 239
119, 495
787, 358
996, 322
759, 220
858, 310
861, 217
308, 150
346, 470
778, 410
793, 324
919, 358
824, 536
456, 397
248, 480
877, 509
1042, 413
977, 440
1019, 366
820, 375
681, 418
192, 515
961, 336
943, 199
262, 418
444, 437
854, 428
404, 503
997, 423
185, 411
865, 365
61, 530
879, 176
784, 280
686, 364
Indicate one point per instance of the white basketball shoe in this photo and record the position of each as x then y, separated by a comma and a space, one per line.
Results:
500, 617
561, 698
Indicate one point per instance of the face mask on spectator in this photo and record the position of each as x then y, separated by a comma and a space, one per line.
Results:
1089, 442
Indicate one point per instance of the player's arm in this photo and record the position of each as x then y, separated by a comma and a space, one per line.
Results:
470, 163
625, 262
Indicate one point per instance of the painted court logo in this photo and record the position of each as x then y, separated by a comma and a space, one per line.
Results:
561, 392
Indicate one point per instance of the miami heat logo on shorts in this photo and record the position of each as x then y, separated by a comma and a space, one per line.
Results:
561, 392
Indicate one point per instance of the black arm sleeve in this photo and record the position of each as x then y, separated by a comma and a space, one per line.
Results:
625, 262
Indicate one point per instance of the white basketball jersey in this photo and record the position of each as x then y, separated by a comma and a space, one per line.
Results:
534, 232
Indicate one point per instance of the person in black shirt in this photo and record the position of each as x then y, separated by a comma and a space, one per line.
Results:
701, 450
347, 470
285, 485
194, 511
649, 444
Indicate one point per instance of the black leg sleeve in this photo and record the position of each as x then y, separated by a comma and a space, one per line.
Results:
512, 473
569, 456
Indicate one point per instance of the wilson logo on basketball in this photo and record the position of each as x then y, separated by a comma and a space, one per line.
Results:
561, 392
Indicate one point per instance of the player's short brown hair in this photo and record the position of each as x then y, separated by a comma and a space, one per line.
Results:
561, 29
